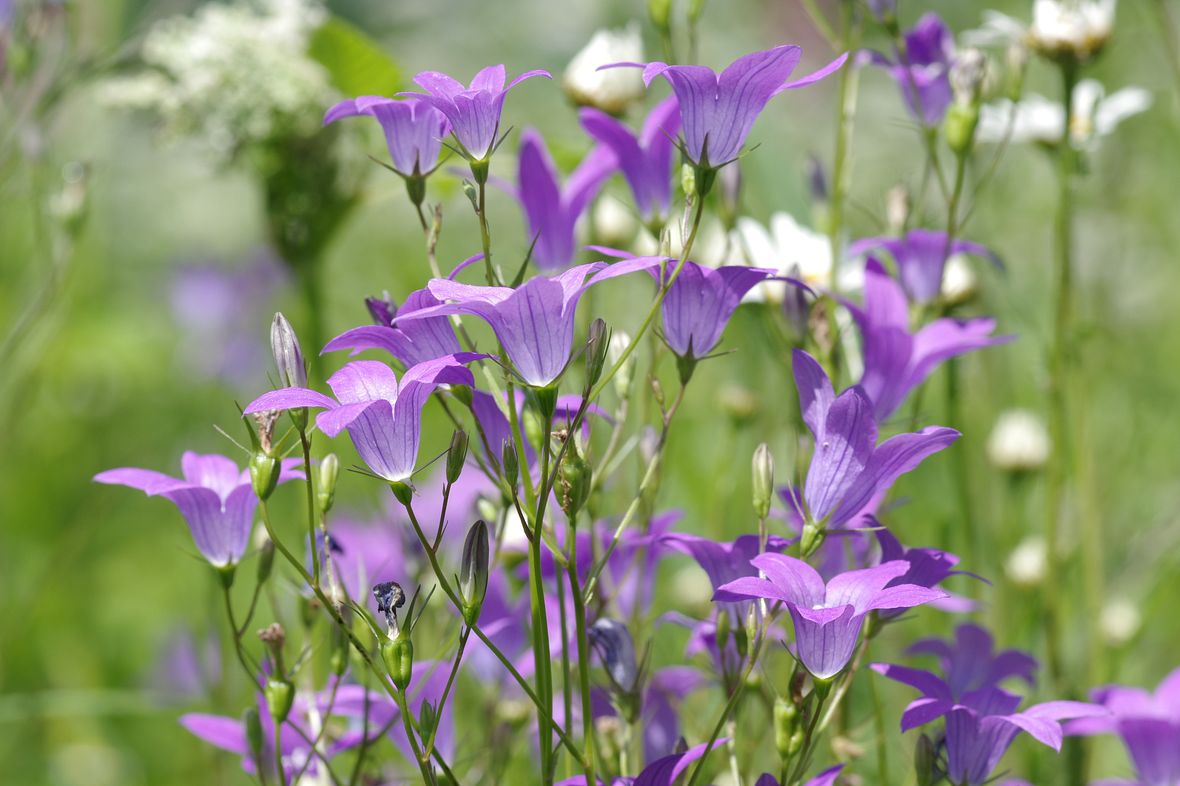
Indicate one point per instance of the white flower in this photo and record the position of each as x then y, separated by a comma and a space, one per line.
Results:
1026, 564
615, 223
792, 249
1037, 119
959, 280
1018, 442
1120, 622
614, 89
1076, 27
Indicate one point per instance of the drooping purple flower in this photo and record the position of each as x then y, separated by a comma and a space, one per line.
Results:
928, 568
661, 772
412, 342
646, 159
413, 129
827, 618
473, 112
825, 778
921, 257
718, 110
1148, 724
923, 72
535, 322
971, 662
551, 211
215, 498
383, 416
897, 361
700, 303
848, 468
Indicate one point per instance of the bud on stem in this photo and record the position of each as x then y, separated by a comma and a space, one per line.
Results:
473, 572
456, 455
762, 489
329, 471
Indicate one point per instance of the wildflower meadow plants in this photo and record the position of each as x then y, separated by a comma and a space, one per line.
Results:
529, 608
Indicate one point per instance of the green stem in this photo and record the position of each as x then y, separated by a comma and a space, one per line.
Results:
485, 234
279, 753
305, 443
541, 655
845, 121
423, 765
442, 702
583, 655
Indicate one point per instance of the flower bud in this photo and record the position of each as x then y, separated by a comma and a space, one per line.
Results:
611, 640
398, 656
381, 309
509, 463
721, 633
763, 480
255, 743
264, 474
284, 346
612, 90
812, 539
1019, 442
959, 127
473, 572
926, 762
786, 723
596, 347
266, 558
328, 471
280, 695
456, 455
573, 481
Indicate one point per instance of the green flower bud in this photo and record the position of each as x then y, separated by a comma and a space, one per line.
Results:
264, 474
660, 13
288, 356
786, 724
280, 695
328, 471
266, 559
763, 480
959, 127
509, 464
813, 538
723, 628
456, 455
402, 491
619, 341
596, 347
925, 761
254, 739
398, 656
688, 179
573, 481
795, 744
473, 572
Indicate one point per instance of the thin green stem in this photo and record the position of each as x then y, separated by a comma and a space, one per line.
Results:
583, 655
305, 443
279, 753
423, 765
845, 123
442, 702
485, 234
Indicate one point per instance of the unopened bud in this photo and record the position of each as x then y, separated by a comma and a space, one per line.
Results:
473, 572
619, 341
573, 481
398, 656
926, 761
280, 695
266, 558
288, 356
786, 723
264, 474
763, 480
722, 632
456, 455
328, 471
255, 742
611, 640
596, 348
812, 539
509, 463
959, 127
660, 13
471, 193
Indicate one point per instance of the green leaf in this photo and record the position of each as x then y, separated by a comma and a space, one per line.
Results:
355, 62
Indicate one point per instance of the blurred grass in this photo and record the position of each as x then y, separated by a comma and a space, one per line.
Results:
93, 580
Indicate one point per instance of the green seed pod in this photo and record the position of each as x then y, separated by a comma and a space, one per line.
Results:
266, 559
573, 481
253, 723
786, 724
456, 455
264, 474
398, 655
329, 471
925, 761
762, 489
473, 572
280, 695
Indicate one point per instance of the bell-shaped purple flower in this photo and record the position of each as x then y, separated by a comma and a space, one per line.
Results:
827, 617
971, 661
848, 468
1149, 725
473, 112
412, 342
215, 498
718, 110
921, 257
383, 416
897, 361
551, 211
825, 778
535, 322
661, 772
646, 159
413, 129
923, 74
928, 568
700, 303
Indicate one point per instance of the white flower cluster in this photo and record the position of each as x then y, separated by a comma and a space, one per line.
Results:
1036, 119
231, 75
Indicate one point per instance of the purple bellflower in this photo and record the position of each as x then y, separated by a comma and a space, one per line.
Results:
700, 303
928, 568
646, 159
473, 112
383, 416
1149, 725
661, 772
848, 468
971, 662
534, 323
827, 618
412, 342
923, 73
825, 778
920, 257
718, 110
897, 361
551, 212
413, 129
215, 498
662, 696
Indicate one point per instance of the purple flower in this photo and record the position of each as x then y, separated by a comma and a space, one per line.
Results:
971, 662
930, 51
1149, 725
825, 778
661, 772
215, 498
646, 160
534, 323
848, 468
412, 343
827, 617
551, 212
700, 303
474, 112
928, 568
413, 129
920, 257
383, 416
897, 361
718, 110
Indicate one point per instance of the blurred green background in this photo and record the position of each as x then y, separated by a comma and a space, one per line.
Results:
108, 361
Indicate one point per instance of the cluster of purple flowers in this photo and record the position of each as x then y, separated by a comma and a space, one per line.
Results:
554, 598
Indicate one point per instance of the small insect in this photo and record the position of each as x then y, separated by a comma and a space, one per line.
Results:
390, 598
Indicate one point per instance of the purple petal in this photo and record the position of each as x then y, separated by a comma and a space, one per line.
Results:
289, 398
895, 457
841, 458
